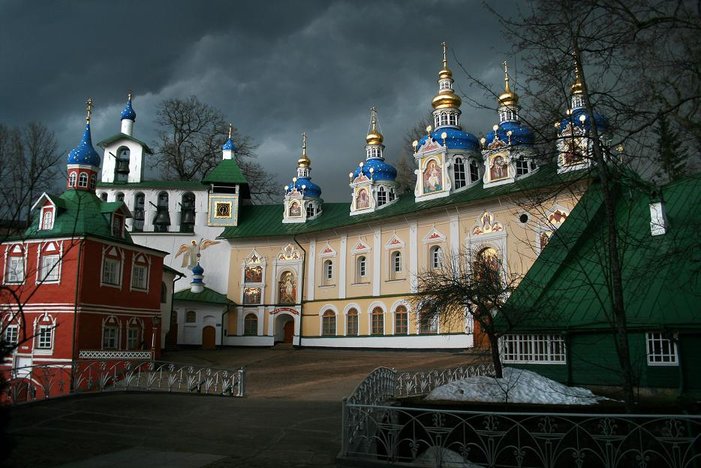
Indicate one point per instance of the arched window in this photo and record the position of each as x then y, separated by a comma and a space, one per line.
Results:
352, 322
361, 269
162, 219
487, 266
83, 180
395, 264
428, 326
110, 333
310, 210
328, 325
121, 168
250, 325
119, 196
378, 321
139, 202
401, 321
93, 181
187, 212
328, 272
474, 171
436, 257
381, 196
103, 196
190, 316
71, 179
459, 172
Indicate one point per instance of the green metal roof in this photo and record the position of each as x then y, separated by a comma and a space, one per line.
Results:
567, 286
208, 296
124, 136
79, 213
226, 172
156, 184
266, 220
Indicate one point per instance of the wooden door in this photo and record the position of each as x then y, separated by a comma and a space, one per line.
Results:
209, 337
289, 329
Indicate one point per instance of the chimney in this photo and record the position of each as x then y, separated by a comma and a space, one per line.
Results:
658, 218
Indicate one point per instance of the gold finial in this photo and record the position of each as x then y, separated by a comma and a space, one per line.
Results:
303, 160
88, 106
374, 136
445, 54
130, 96
231, 128
446, 97
577, 87
507, 98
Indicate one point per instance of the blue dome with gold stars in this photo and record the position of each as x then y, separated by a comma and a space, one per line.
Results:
229, 145
376, 169
519, 134
580, 117
84, 154
306, 187
455, 138
128, 112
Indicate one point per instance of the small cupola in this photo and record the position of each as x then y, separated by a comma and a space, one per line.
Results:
128, 117
83, 162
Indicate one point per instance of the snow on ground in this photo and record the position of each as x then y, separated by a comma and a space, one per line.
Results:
517, 386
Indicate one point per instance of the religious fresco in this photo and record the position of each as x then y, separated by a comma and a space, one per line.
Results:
573, 151
432, 177
287, 288
362, 200
253, 274
295, 210
487, 224
498, 168
251, 296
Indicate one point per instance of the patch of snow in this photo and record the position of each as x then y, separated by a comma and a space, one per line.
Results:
517, 386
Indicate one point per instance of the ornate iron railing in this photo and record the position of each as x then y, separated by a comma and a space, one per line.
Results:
375, 431
416, 383
85, 376
428, 437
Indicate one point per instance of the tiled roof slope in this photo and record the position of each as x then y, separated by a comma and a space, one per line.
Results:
566, 288
266, 220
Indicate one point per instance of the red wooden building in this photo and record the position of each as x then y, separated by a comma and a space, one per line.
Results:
75, 286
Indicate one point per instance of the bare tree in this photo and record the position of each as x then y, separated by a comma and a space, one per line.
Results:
634, 63
468, 285
405, 164
190, 140
28, 158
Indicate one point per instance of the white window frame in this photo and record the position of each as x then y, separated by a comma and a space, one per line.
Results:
361, 268
111, 272
435, 257
405, 320
50, 268
83, 180
12, 276
72, 178
11, 335
139, 277
47, 218
327, 272
329, 323
459, 173
660, 351
372, 321
45, 337
533, 349
133, 335
356, 321
110, 336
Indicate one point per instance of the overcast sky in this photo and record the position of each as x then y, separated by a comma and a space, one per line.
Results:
275, 69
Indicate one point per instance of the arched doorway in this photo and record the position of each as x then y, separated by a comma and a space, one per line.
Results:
284, 328
209, 335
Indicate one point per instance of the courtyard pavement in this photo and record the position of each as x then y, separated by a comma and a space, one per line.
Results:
290, 417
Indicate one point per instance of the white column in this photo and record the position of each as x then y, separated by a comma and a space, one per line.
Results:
376, 257
311, 268
342, 260
413, 255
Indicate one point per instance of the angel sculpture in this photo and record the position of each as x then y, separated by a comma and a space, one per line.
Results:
192, 251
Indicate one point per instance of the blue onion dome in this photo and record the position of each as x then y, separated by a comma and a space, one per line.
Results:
84, 153
229, 145
128, 112
581, 118
455, 138
197, 269
306, 187
512, 133
380, 170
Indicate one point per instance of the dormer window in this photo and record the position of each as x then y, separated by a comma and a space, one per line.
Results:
47, 218
117, 225
474, 171
310, 210
381, 196
83, 180
522, 167
459, 172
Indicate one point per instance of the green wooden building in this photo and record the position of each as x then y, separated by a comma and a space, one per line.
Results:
560, 315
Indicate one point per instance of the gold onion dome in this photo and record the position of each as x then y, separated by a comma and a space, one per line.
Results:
304, 160
374, 136
446, 97
508, 98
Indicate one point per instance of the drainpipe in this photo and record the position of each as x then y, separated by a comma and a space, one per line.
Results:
79, 266
301, 285
229, 305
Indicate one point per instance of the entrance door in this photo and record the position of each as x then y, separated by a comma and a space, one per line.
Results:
209, 337
289, 329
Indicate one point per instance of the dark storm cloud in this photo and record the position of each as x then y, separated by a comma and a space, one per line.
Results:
275, 69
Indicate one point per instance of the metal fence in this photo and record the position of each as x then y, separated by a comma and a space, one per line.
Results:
376, 431
88, 376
